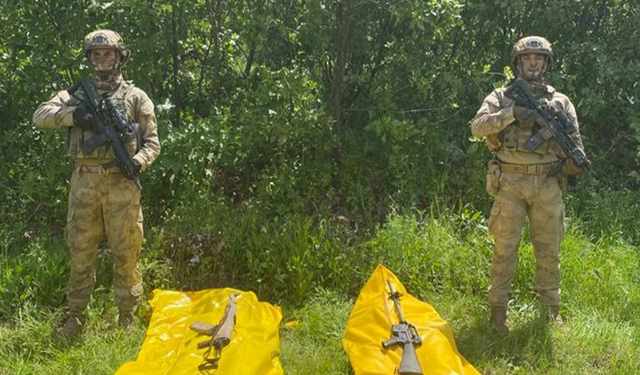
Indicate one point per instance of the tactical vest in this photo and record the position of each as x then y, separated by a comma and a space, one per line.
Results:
76, 136
514, 137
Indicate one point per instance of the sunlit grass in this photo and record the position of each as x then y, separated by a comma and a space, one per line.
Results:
443, 261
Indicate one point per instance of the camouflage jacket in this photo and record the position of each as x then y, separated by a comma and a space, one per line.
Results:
57, 112
506, 136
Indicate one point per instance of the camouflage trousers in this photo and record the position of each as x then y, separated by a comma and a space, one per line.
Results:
104, 205
540, 198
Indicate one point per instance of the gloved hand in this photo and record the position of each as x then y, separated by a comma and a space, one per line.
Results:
83, 119
523, 114
527, 117
571, 168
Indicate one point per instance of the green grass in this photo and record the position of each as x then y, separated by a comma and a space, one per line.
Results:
28, 348
443, 261
314, 346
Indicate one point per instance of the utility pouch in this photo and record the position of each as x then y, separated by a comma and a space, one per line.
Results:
534, 142
493, 177
493, 142
510, 137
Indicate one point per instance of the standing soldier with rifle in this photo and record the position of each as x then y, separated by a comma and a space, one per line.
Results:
111, 138
532, 131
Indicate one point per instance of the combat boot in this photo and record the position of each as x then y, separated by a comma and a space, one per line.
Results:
498, 320
126, 320
73, 325
553, 314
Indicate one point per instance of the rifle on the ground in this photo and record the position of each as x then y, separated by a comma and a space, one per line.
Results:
554, 123
220, 335
109, 126
406, 334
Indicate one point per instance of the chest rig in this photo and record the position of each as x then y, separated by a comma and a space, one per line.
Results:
515, 136
76, 136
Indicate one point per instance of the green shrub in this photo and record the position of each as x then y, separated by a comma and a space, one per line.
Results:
37, 277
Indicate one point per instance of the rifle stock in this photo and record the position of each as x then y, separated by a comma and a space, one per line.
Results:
409, 363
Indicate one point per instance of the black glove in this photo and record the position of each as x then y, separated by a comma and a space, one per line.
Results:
83, 119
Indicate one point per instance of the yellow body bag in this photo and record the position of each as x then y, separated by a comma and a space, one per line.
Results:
172, 348
370, 324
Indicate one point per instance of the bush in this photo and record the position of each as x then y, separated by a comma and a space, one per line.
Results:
37, 277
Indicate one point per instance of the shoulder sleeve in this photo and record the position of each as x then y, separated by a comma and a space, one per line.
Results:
55, 112
145, 116
570, 110
491, 118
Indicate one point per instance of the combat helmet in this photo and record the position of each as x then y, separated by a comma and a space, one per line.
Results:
531, 44
106, 39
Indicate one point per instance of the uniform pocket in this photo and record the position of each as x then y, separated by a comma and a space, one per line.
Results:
493, 178
493, 217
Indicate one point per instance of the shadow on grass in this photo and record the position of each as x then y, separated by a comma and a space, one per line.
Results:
528, 344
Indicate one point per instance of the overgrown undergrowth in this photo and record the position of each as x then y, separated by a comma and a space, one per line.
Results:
315, 269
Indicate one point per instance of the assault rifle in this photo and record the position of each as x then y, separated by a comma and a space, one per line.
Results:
553, 123
406, 334
109, 126
220, 335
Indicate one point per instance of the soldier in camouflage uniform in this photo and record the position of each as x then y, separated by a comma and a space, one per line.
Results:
520, 183
103, 201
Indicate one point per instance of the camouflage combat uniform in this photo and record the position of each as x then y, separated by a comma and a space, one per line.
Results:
518, 180
104, 202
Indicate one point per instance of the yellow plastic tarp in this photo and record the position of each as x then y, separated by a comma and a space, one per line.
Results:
171, 347
370, 323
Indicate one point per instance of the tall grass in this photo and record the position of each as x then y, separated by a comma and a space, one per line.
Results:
315, 269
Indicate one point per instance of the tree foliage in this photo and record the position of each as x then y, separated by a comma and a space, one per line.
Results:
339, 108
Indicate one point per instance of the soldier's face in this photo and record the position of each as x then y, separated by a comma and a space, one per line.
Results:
103, 59
533, 65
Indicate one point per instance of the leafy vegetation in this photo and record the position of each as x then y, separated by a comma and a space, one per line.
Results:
443, 261
306, 141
